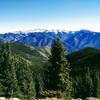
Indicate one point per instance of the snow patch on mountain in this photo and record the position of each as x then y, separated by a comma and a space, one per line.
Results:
73, 40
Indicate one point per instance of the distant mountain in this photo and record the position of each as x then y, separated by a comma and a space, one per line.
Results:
1, 41
73, 41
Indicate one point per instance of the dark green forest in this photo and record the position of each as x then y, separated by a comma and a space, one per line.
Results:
30, 72
85, 73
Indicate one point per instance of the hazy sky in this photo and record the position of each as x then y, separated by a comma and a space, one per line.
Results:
72, 15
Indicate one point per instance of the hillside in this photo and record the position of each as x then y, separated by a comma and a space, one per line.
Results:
85, 72
85, 57
39, 55
36, 55
85, 64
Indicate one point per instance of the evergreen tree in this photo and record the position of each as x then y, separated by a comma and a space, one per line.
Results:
97, 84
7, 72
39, 85
59, 71
88, 83
25, 79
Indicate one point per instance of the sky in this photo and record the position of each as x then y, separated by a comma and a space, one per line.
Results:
19, 15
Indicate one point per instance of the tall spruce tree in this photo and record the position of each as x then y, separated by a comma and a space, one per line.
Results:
25, 79
97, 84
7, 72
88, 84
59, 71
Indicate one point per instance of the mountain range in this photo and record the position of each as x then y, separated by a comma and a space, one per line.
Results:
72, 40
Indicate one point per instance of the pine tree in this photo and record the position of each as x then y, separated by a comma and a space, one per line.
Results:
25, 79
97, 84
7, 72
88, 83
59, 71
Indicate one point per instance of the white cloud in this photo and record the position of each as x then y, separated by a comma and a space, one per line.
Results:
73, 26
